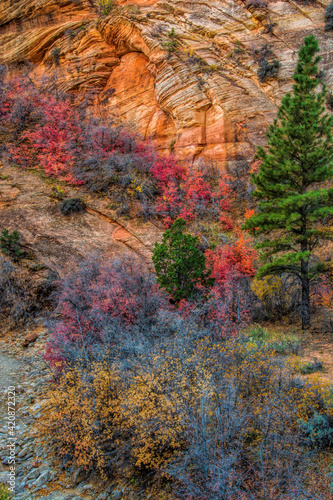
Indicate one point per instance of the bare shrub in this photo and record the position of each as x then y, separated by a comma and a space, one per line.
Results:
100, 302
72, 206
268, 69
18, 293
256, 4
329, 17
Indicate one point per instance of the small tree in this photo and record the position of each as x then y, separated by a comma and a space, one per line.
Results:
9, 244
180, 266
294, 206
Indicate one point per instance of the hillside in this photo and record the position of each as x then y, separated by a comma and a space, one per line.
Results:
166, 250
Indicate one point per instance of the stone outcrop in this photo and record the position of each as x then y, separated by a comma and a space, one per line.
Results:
183, 73
58, 243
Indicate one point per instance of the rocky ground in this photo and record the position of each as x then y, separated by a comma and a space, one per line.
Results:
38, 470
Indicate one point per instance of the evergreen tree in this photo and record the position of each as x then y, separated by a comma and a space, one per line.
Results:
10, 244
295, 205
180, 266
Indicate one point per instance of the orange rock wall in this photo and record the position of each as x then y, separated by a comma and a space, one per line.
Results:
202, 100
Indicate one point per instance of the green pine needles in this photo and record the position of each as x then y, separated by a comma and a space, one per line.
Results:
10, 244
180, 266
294, 203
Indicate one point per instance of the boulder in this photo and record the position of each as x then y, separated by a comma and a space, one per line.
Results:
29, 339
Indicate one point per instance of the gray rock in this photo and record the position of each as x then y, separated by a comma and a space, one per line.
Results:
58, 496
103, 496
87, 487
4, 477
116, 495
27, 450
80, 475
43, 478
33, 474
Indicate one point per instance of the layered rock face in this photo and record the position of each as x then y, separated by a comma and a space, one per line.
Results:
181, 72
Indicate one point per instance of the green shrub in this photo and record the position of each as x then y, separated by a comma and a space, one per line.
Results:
71, 206
10, 244
179, 264
267, 69
317, 432
311, 367
105, 6
171, 45
257, 333
287, 346
55, 53
4, 493
58, 193
329, 17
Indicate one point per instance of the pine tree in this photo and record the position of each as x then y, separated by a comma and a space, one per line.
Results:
295, 205
180, 266
10, 244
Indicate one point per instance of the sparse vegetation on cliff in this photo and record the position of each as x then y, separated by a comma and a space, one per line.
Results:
329, 17
10, 244
172, 44
268, 69
105, 6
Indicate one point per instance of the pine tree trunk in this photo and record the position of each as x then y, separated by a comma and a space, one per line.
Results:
305, 305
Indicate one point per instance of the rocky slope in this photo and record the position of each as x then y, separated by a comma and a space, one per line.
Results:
39, 472
29, 204
181, 72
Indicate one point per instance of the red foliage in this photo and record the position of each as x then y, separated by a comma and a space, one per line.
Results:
232, 266
167, 170
56, 138
236, 259
225, 197
51, 134
185, 192
98, 297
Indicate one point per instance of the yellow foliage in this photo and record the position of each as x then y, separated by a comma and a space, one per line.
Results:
83, 411
149, 409
266, 287
4, 493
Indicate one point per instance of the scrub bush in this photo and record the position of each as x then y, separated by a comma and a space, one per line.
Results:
214, 420
329, 17
72, 206
10, 244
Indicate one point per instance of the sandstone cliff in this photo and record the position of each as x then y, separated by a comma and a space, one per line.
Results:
183, 73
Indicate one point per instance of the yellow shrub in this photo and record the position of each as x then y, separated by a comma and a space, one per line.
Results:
4, 493
82, 412
266, 287
160, 407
